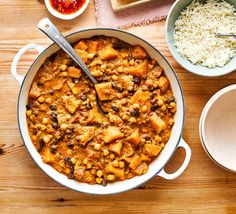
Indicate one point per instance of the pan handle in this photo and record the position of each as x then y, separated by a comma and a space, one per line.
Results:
17, 57
176, 174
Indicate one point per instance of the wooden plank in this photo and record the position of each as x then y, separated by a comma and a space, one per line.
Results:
24, 188
119, 5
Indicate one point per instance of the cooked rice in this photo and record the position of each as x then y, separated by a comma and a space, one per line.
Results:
196, 29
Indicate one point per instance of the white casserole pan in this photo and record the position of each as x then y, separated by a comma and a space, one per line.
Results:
156, 167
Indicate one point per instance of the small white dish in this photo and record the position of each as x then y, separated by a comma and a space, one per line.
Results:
217, 128
65, 16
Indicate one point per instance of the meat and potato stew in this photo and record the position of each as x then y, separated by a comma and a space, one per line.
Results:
74, 137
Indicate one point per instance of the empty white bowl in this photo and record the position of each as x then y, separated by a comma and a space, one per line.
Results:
65, 16
217, 128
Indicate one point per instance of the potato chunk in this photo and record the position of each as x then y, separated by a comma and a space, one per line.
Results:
47, 156
151, 150
144, 157
163, 84
108, 53
112, 133
79, 172
81, 45
95, 116
74, 72
141, 169
141, 70
135, 137
128, 152
71, 103
35, 91
157, 123
139, 52
116, 147
63, 118
93, 46
155, 72
104, 90
127, 159
82, 54
135, 162
140, 97
58, 84
85, 134
118, 172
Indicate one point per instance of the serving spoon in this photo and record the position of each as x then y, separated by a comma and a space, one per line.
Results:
226, 35
47, 27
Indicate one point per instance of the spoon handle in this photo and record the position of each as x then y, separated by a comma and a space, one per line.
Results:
226, 35
47, 27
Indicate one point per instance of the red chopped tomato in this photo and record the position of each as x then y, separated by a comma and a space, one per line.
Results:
67, 6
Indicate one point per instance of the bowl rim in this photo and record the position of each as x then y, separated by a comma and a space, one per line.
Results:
211, 157
179, 58
65, 16
178, 138
202, 120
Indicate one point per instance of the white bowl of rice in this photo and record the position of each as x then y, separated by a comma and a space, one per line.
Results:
192, 29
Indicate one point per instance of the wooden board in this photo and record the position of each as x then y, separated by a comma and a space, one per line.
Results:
119, 5
24, 188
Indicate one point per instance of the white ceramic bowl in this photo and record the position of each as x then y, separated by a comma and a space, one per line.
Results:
156, 167
174, 13
65, 16
217, 128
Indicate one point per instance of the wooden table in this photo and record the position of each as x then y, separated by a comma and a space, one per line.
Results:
24, 188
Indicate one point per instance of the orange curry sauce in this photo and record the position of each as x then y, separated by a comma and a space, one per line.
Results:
67, 6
